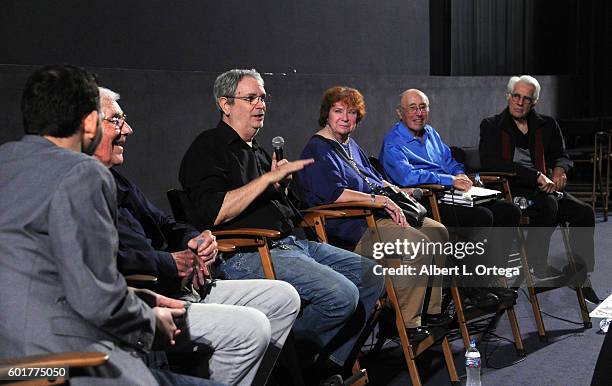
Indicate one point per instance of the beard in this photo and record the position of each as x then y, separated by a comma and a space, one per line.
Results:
91, 147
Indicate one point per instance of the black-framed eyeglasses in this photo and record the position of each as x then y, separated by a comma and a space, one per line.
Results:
117, 120
518, 97
252, 99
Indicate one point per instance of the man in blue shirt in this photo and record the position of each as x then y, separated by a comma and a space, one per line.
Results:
413, 153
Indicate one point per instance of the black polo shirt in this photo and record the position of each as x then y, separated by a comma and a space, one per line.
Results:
218, 161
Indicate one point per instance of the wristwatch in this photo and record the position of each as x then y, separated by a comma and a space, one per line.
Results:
373, 197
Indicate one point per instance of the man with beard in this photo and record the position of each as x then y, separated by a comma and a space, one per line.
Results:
60, 287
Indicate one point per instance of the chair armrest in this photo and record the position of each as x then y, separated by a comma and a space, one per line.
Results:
498, 174
350, 205
491, 179
65, 359
140, 280
322, 212
225, 246
314, 217
245, 237
248, 232
431, 187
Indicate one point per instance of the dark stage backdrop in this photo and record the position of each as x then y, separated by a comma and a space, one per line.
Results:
163, 56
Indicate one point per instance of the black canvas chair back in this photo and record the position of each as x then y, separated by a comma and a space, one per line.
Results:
182, 207
378, 166
468, 156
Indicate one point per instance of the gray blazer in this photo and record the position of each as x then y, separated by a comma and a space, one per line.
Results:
59, 285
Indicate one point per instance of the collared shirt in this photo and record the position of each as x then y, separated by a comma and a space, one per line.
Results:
408, 161
147, 236
218, 161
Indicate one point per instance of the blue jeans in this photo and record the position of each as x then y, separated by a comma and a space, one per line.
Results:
338, 287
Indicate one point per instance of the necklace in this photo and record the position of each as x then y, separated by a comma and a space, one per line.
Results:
346, 147
347, 150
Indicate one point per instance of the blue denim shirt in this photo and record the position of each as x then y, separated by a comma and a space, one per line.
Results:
408, 161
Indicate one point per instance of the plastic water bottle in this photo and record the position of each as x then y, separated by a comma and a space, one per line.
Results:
522, 202
472, 365
604, 324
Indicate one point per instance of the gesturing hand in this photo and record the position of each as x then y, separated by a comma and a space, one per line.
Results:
283, 168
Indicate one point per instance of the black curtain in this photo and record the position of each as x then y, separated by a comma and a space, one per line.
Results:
504, 37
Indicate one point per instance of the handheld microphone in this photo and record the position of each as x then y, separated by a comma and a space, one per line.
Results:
277, 144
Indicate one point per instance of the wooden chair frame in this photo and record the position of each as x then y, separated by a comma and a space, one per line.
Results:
69, 360
502, 179
259, 238
429, 191
411, 352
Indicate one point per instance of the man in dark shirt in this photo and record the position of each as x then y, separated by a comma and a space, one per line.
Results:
238, 320
234, 183
521, 141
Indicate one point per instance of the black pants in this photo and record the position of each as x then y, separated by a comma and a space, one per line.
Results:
546, 213
494, 221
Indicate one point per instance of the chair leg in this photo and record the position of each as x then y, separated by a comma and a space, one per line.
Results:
584, 311
533, 298
450, 362
465, 335
409, 354
516, 332
357, 369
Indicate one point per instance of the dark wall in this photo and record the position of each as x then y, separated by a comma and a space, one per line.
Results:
168, 108
163, 57
315, 36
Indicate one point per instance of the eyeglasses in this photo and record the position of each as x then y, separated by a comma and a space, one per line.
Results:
518, 97
117, 120
252, 99
414, 109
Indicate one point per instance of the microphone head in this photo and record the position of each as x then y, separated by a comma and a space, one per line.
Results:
417, 193
278, 142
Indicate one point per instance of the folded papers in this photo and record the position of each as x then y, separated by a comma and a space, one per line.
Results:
475, 196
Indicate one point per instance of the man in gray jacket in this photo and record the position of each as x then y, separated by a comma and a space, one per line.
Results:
59, 285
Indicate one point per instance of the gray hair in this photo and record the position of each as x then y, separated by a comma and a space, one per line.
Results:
226, 83
530, 80
108, 93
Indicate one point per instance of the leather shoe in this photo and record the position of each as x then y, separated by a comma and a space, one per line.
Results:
479, 297
417, 333
505, 295
590, 295
437, 320
546, 273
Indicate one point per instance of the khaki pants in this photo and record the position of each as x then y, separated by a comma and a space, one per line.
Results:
410, 289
